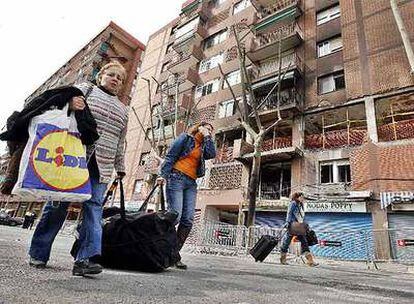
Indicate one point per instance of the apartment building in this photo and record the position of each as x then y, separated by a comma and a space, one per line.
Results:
112, 43
347, 135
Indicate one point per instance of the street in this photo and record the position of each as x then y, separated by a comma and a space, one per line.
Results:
209, 279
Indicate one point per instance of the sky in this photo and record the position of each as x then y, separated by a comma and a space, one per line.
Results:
38, 37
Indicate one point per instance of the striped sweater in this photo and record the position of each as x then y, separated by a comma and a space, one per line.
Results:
111, 116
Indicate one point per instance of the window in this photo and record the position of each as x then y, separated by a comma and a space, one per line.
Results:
138, 186
239, 6
233, 78
210, 63
329, 46
187, 28
338, 171
332, 82
215, 39
226, 109
328, 15
144, 158
207, 88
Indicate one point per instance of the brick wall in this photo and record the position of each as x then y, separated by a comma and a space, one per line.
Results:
383, 167
226, 176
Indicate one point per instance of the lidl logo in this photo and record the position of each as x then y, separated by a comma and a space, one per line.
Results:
58, 161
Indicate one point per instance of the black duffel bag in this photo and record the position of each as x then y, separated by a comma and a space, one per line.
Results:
139, 241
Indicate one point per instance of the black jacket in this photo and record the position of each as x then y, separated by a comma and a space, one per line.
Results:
18, 122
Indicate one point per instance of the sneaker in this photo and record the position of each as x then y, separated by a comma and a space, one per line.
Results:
81, 268
36, 263
180, 265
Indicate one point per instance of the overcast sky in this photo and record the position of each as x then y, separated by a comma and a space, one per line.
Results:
38, 37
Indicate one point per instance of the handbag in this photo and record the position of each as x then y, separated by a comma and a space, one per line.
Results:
140, 240
296, 228
311, 237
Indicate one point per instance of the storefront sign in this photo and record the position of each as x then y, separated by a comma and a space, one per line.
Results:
335, 207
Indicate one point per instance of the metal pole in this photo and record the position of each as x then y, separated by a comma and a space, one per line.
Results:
404, 35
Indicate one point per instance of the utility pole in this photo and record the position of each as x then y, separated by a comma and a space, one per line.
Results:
404, 35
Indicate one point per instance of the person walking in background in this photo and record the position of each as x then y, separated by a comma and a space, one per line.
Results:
32, 220
183, 164
107, 154
296, 227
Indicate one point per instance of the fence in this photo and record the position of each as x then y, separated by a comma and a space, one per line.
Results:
346, 245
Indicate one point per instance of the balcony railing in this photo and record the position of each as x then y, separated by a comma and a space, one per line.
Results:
336, 138
224, 155
277, 143
291, 61
396, 131
272, 191
287, 98
263, 39
193, 52
278, 6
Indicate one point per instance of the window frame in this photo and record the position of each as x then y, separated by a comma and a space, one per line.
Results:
208, 88
243, 5
328, 43
228, 77
219, 35
223, 107
335, 171
331, 77
331, 13
211, 63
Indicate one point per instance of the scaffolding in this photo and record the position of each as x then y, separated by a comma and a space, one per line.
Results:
334, 131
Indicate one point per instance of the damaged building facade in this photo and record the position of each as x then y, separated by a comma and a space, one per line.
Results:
347, 102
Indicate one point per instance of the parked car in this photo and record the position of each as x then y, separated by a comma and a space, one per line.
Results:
6, 219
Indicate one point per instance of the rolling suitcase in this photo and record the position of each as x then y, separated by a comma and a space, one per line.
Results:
263, 247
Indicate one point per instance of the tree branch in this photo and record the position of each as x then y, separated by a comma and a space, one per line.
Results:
234, 95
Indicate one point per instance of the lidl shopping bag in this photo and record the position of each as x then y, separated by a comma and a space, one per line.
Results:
53, 166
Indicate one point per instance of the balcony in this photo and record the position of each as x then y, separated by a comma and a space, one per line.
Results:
224, 155
185, 102
273, 149
289, 99
336, 139
159, 133
270, 11
185, 58
193, 9
185, 81
265, 70
198, 33
265, 44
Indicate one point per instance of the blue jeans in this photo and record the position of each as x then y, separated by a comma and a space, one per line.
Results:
53, 217
288, 238
181, 197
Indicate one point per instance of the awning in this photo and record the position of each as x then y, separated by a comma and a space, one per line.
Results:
273, 79
388, 198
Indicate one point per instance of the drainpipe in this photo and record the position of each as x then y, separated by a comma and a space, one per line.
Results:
403, 33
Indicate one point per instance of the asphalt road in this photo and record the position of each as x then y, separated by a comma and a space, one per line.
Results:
209, 279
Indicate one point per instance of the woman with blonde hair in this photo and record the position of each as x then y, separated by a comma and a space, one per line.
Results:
183, 164
105, 156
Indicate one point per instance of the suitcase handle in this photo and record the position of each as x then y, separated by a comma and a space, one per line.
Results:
145, 203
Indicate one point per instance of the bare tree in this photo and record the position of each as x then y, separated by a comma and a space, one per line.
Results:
251, 122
